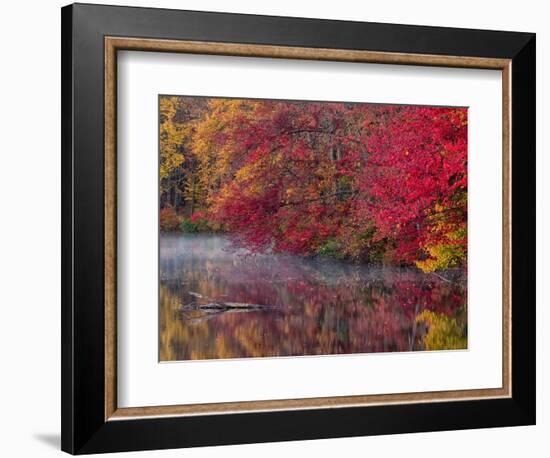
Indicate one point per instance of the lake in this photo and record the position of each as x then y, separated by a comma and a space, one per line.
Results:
220, 302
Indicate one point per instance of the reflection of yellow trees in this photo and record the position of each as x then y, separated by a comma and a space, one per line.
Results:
321, 325
444, 333
177, 337
313, 308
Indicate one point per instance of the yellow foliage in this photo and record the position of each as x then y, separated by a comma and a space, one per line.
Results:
444, 333
447, 251
172, 135
442, 256
214, 150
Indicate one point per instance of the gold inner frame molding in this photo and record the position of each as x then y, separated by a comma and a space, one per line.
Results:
114, 44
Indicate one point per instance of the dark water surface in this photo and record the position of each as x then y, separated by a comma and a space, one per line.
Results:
216, 302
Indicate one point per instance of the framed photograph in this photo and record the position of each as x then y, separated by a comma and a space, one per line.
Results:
281, 228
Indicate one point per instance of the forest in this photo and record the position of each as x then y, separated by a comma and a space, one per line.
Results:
365, 183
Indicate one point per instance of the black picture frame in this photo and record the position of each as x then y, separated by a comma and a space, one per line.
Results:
84, 428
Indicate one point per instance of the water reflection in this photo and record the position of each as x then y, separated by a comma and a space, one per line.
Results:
216, 302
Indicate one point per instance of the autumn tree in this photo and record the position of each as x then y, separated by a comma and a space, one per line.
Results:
417, 181
178, 174
368, 182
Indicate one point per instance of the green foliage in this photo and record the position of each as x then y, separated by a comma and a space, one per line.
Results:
192, 226
365, 245
444, 333
188, 226
375, 248
331, 248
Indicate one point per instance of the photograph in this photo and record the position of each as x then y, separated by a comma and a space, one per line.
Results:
301, 228
275, 229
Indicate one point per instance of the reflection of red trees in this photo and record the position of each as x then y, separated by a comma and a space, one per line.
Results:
315, 307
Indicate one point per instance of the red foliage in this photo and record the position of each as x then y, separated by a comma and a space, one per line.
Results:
305, 173
198, 216
417, 177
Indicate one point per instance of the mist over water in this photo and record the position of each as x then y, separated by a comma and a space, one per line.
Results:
220, 302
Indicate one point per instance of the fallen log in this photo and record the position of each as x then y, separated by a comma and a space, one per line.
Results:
205, 315
222, 306
195, 313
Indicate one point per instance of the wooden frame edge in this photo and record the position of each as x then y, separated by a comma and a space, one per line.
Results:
507, 227
290, 52
111, 46
110, 235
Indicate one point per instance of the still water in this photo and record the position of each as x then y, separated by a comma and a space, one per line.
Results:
219, 302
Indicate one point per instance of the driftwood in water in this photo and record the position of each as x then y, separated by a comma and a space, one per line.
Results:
196, 316
222, 306
199, 313
205, 308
